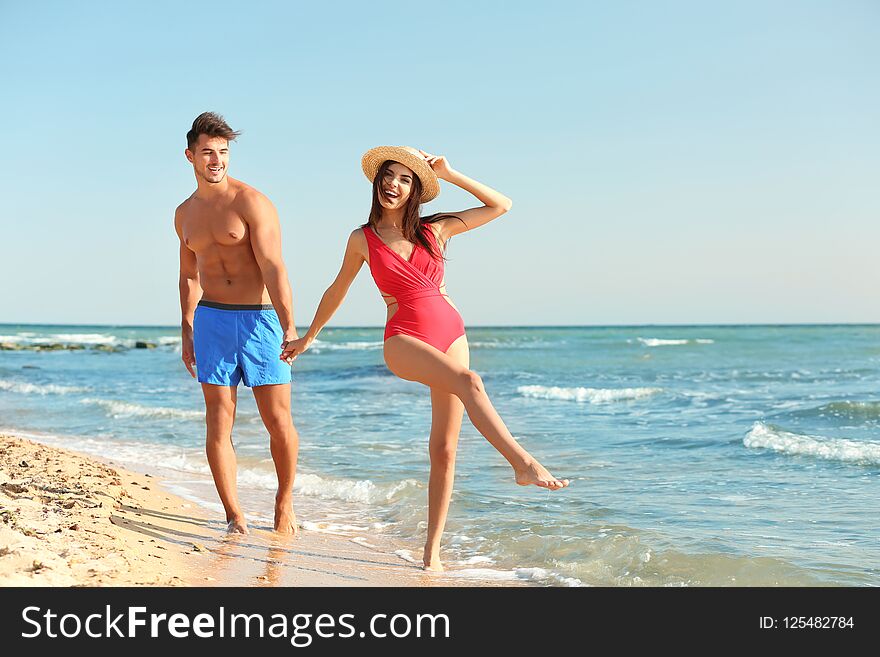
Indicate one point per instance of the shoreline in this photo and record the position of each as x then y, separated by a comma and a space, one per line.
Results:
67, 519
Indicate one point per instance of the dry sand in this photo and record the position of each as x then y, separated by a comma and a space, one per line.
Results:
70, 520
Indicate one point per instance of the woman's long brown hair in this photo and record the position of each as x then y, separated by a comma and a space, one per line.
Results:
412, 219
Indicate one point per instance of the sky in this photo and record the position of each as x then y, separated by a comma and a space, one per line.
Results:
669, 162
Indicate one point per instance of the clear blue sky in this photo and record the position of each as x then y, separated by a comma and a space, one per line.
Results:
669, 162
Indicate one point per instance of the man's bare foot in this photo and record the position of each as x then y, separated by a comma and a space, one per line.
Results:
236, 525
285, 520
536, 474
431, 561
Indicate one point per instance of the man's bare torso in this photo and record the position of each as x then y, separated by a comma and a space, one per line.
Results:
217, 232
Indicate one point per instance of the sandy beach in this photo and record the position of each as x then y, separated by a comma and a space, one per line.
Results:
71, 520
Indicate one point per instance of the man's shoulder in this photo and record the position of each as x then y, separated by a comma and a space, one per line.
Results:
248, 196
181, 210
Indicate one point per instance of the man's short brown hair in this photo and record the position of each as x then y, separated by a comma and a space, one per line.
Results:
211, 124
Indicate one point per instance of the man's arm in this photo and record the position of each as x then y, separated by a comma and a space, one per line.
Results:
265, 229
190, 293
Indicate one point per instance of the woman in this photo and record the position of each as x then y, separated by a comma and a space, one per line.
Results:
425, 339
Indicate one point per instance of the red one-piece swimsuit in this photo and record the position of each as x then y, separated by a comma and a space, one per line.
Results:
423, 311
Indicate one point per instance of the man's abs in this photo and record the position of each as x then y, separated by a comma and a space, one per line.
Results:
230, 274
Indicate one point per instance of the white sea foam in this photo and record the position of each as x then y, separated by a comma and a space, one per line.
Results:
835, 449
73, 340
331, 528
484, 573
547, 576
83, 338
513, 344
361, 490
262, 479
119, 409
406, 555
475, 560
591, 395
540, 575
35, 389
660, 342
354, 345
459, 539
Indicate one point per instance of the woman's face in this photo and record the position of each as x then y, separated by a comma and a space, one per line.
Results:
395, 186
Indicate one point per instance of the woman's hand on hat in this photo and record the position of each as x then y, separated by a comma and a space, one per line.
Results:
439, 164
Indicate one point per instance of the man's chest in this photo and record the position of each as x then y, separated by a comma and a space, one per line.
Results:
204, 229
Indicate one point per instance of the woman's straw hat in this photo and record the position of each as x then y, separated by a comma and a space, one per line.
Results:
408, 157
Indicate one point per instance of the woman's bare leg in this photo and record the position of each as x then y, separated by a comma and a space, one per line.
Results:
413, 360
446, 414
220, 402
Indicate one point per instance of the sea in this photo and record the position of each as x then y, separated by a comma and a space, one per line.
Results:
698, 455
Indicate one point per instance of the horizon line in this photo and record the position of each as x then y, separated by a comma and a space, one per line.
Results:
502, 326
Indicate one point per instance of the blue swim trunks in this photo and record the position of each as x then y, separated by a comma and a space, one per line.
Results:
238, 343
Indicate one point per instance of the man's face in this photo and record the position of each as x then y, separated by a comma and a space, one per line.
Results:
210, 158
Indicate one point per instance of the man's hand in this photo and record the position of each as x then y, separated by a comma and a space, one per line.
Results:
294, 348
187, 353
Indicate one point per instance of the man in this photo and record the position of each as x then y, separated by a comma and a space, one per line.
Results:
237, 314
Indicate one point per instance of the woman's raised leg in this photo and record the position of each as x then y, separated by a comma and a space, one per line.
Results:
414, 360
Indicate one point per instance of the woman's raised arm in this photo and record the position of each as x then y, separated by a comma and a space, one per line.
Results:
494, 202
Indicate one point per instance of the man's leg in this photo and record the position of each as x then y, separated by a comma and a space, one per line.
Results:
273, 401
220, 415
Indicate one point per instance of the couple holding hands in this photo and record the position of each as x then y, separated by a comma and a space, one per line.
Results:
237, 312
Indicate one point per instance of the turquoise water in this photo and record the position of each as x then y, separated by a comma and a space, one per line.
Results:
699, 455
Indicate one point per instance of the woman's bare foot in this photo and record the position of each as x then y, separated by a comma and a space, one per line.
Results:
285, 519
236, 525
536, 474
431, 560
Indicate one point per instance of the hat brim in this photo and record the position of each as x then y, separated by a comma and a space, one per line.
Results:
374, 158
